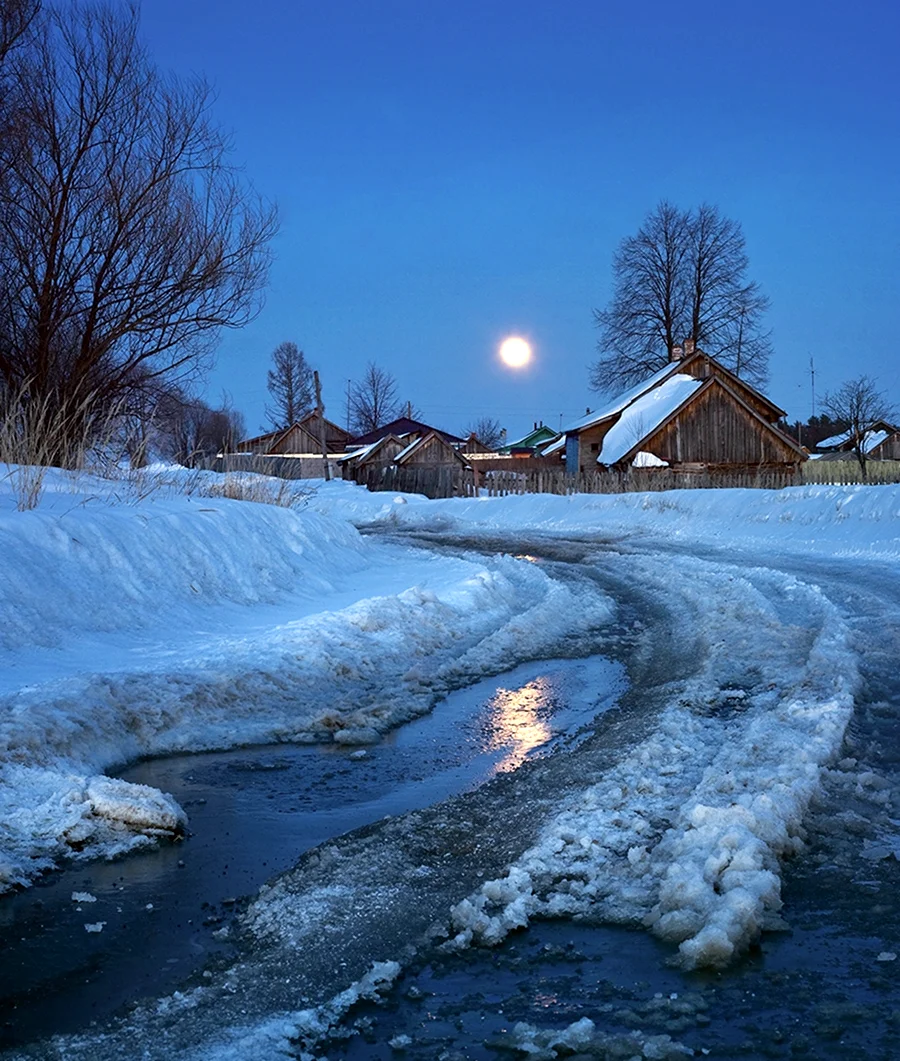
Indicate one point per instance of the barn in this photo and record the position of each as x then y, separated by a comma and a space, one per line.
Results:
302, 437
692, 415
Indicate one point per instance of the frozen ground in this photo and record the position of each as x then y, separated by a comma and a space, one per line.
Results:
745, 619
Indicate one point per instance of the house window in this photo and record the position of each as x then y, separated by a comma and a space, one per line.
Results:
595, 447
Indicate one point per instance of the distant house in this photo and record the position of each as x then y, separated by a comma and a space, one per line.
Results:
473, 446
529, 445
691, 415
403, 425
881, 441
377, 454
304, 437
389, 460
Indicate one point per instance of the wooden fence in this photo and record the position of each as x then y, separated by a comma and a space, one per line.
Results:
636, 480
543, 478
840, 472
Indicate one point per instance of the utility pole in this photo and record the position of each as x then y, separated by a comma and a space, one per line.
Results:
812, 383
320, 413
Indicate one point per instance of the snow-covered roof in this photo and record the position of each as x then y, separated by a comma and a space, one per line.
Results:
835, 440
364, 451
556, 445
645, 414
622, 400
871, 440
408, 449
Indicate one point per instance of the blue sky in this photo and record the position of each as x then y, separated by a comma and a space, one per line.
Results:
449, 173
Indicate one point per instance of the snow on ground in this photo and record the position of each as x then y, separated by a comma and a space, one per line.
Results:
166, 622
845, 521
687, 833
189, 622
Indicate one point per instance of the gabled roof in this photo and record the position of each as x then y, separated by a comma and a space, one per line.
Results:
534, 438
305, 423
878, 432
401, 426
269, 436
420, 443
616, 405
555, 446
675, 394
643, 416
364, 453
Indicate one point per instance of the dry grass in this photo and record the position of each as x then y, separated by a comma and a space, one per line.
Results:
262, 490
37, 435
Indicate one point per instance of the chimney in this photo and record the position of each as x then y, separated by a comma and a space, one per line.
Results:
689, 347
676, 353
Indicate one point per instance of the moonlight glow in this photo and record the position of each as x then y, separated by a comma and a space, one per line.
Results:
515, 352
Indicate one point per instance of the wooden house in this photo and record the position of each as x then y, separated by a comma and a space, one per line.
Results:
692, 415
302, 437
473, 446
531, 444
432, 450
403, 425
881, 441
357, 463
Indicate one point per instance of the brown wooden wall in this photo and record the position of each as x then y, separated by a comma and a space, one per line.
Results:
434, 451
888, 450
590, 442
701, 367
716, 429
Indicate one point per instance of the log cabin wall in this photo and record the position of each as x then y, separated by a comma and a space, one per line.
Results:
702, 367
433, 451
590, 442
888, 450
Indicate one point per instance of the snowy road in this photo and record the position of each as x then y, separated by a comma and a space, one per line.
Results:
677, 813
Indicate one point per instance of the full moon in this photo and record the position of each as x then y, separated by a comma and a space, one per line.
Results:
515, 352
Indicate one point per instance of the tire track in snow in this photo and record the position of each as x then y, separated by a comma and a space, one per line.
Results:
676, 813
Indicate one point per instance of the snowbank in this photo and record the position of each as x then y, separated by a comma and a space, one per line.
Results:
179, 623
847, 521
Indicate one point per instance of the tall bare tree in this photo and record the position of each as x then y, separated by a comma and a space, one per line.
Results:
290, 384
682, 276
373, 400
860, 404
127, 237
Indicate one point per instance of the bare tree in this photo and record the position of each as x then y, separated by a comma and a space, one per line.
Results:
682, 276
373, 400
16, 17
859, 404
188, 430
127, 238
290, 385
487, 430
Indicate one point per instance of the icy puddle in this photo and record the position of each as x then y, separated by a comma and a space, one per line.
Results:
142, 924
